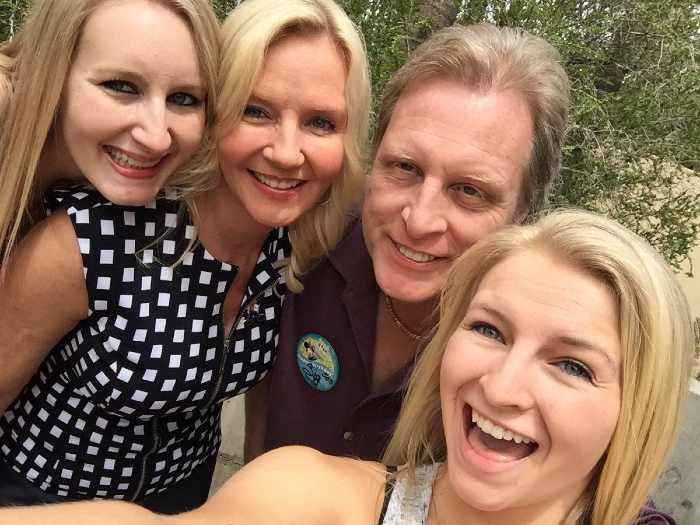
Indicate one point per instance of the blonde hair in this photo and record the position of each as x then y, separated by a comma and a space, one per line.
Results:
656, 341
488, 58
7, 61
248, 33
34, 68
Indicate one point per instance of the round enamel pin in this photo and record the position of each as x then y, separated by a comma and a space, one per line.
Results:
317, 362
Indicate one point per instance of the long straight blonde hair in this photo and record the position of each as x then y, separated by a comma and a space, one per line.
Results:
657, 348
34, 67
248, 33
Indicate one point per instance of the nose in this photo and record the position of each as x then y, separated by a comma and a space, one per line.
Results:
507, 382
424, 214
151, 130
284, 148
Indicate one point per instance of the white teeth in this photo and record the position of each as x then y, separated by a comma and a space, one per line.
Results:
491, 428
127, 162
415, 256
278, 184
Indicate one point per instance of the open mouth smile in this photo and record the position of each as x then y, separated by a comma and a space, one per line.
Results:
494, 446
275, 182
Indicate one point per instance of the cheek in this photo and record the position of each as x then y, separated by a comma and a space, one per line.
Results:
326, 159
191, 131
472, 228
382, 200
229, 151
456, 369
572, 419
73, 122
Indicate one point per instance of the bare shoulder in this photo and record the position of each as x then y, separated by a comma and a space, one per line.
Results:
299, 485
48, 257
42, 296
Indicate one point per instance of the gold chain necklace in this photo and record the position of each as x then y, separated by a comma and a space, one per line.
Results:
405, 329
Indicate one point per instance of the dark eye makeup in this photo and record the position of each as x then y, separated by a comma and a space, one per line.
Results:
120, 86
183, 99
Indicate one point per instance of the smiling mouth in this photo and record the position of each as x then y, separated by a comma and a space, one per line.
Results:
125, 161
276, 183
492, 441
414, 255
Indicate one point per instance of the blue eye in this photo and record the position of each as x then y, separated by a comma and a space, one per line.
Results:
183, 99
469, 192
489, 331
322, 124
575, 369
406, 166
254, 112
120, 86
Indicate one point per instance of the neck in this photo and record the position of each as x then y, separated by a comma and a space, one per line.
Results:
446, 508
417, 317
225, 229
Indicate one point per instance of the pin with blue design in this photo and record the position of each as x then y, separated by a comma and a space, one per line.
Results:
317, 362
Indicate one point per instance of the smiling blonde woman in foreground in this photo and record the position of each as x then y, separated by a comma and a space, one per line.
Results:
551, 393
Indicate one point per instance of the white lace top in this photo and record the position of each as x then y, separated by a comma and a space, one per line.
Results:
408, 502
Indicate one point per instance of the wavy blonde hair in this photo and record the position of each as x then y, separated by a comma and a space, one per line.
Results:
488, 58
657, 348
34, 67
248, 33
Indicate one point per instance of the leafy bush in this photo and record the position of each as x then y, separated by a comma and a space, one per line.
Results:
633, 149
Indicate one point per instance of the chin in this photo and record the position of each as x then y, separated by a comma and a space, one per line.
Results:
129, 198
480, 499
406, 290
407, 293
126, 195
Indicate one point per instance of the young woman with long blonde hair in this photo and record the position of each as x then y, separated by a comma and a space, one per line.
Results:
65, 99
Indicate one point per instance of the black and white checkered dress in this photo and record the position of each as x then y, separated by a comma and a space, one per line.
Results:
129, 401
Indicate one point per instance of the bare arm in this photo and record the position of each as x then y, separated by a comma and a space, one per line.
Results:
296, 486
288, 486
87, 513
255, 420
42, 296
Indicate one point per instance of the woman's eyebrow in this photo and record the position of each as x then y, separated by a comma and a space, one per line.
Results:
582, 343
572, 341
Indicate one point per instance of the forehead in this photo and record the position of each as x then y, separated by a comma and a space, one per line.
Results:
536, 289
502, 117
314, 61
453, 129
139, 33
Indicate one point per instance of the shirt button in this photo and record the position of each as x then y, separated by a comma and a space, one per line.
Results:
347, 436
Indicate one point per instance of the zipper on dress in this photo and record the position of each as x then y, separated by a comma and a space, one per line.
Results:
156, 443
227, 338
220, 377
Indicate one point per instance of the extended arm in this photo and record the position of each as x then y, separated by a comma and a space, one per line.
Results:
288, 486
42, 296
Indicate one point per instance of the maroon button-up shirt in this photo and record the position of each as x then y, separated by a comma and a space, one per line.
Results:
339, 303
